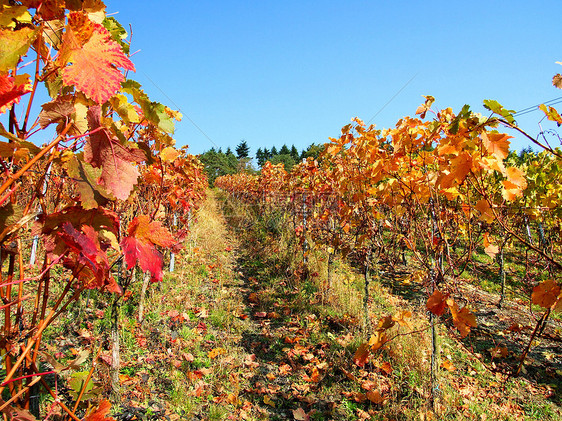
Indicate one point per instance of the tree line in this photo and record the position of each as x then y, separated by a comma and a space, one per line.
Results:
218, 163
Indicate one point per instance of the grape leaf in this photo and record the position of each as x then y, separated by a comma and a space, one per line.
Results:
87, 254
150, 259
102, 150
14, 45
47, 9
436, 303
557, 81
361, 355
140, 245
546, 293
94, 66
11, 89
496, 144
100, 413
91, 194
153, 232
497, 108
56, 111
514, 185
463, 319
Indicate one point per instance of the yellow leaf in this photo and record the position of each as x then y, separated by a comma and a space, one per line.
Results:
169, 154
215, 352
268, 401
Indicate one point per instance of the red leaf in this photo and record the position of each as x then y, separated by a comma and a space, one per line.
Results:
11, 89
148, 257
76, 232
100, 413
153, 232
94, 65
102, 150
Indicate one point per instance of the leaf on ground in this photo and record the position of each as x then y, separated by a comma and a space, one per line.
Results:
362, 354
375, 397
215, 352
448, 365
546, 293
100, 413
300, 415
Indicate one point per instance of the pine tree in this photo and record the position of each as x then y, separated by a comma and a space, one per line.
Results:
242, 150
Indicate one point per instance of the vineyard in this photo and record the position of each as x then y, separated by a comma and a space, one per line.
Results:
405, 273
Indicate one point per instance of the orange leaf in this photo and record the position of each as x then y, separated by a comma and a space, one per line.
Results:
436, 303
215, 352
463, 319
514, 184
546, 293
100, 413
448, 365
94, 66
497, 144
375, 396
361, 355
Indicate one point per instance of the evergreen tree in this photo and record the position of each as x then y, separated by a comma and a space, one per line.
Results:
242, 150
294, 153
267, 154
274, 152
260, 157
284, 150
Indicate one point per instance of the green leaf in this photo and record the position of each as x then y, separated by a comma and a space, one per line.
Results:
14, 45
497, 108
118, 33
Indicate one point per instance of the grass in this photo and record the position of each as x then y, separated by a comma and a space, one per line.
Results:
242, 328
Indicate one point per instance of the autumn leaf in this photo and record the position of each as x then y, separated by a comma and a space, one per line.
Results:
100, 413
486, 213
375, 397
14, 45
546, 293
463, 319
402, 318
300, 415
448, 365
215, 352
362, 354
499, 352
557, 81
140, 243
489, 248
436, 303
169, 154
56, 111
103, 150
11, 89
94, 66
514, 184
497, 144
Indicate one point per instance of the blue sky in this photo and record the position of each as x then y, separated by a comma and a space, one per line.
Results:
295, 72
